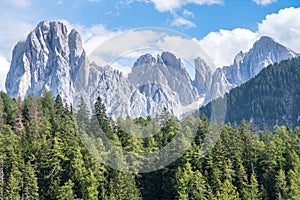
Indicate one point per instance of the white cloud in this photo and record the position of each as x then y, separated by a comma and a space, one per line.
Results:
122, 43
129, 45
264, 2
120, 67
92, 36
17, 3
13, 29
283, 26
183, 47
187, 13
180, 21
205, 2
4, 67
171, 5
11, 33
222, 46
13, 26
163, 5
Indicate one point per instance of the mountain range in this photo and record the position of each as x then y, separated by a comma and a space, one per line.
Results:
53, 58
268, 100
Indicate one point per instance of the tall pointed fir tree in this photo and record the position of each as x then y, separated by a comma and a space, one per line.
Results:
30, 189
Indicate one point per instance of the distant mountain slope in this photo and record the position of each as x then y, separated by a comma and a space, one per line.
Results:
264, 52
53, 58
271, 98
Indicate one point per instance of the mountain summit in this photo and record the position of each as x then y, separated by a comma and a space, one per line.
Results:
49, 58
265, 51
53, 58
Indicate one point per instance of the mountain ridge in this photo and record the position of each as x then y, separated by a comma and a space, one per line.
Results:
269, 99
264, 52
53, 58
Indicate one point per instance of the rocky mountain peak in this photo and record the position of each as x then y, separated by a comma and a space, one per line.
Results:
268, 45
172, 61
53, 58
166, 58
146, 59
49, 58
239, 57
203, 75
264, 52
264, 40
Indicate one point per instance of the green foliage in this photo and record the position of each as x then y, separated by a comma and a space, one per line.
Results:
66, 192
42, 156
294, 178
227, 191
30, 184
281, 185
271, 98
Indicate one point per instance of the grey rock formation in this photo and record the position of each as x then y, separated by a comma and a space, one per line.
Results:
53, 58
264, 52
203, 76
49, 59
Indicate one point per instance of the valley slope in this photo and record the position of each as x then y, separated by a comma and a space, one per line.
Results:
271, 98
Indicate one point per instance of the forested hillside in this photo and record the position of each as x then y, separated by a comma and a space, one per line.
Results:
271, 98
42, 157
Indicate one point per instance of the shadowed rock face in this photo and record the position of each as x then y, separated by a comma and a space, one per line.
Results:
53, 58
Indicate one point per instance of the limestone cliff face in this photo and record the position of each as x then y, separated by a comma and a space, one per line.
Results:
49, 58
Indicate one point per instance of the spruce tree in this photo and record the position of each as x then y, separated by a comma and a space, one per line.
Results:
30, 183
294, 178
281, 186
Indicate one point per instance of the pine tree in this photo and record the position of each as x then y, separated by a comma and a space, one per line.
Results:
100, 113
2, 183
92, 187
294, 178
2, 120
253, 191
184, 176
10, 109
13, 187
19, 120
82, 116
47, 105
227, 191
30, 183
123, 186
54, 166
201, 189
243, 184
281, 186
66, 192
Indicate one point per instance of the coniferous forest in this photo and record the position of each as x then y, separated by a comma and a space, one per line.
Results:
269, 99
42, 157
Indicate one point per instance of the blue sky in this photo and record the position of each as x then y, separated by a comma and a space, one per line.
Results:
222, 27
126, 14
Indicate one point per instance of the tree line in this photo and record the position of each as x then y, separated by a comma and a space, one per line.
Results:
269, 99
43, 156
